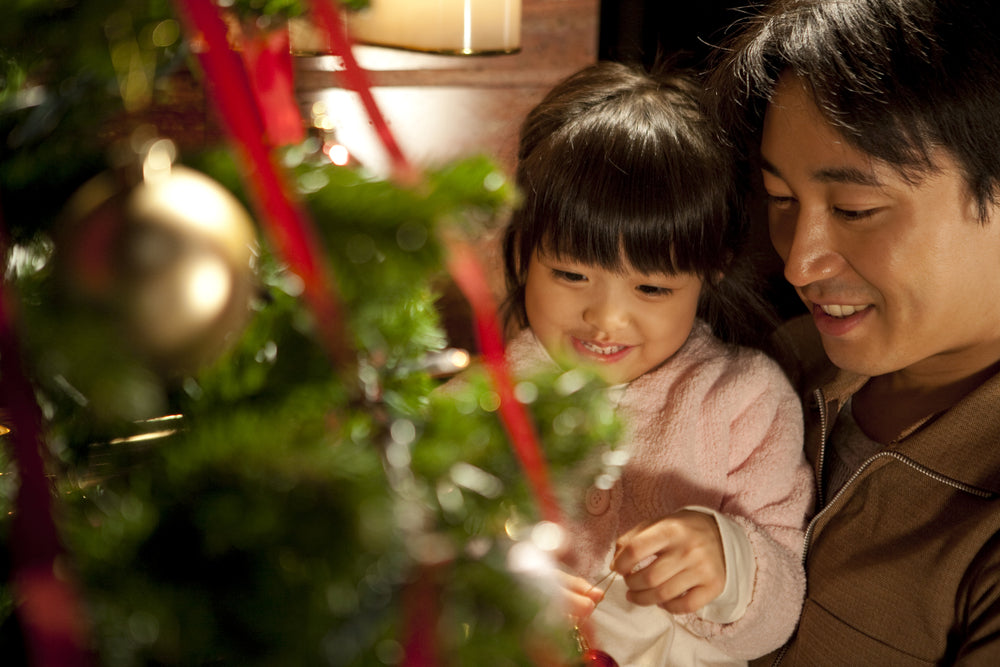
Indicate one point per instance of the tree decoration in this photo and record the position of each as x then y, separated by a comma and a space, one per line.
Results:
469, 275
264, 508
286, 221
170, 258
325, 12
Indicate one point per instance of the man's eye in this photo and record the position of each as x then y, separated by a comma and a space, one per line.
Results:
653, 290
780, 202
849, 214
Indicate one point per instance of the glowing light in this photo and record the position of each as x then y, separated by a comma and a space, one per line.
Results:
467, 27
526, 392
494, 181
459, 358
490, 401
166, 33
527, 558
209, 285
476, 479
403, 431
338, 154
570, 382
142, 437
548, 536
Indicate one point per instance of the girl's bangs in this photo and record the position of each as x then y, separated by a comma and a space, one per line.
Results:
626, 210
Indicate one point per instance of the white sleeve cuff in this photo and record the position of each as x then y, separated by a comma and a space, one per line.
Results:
741, 570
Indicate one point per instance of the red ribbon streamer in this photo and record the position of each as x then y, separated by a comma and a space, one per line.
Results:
286, 221
234, 101
468, 274
268, 60
328, 16
47, 604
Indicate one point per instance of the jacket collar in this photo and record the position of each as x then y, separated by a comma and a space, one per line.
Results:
962, 443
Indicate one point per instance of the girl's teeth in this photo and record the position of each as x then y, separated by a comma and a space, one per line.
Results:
842, 311
603, 350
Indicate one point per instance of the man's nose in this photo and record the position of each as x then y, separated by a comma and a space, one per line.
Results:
807, 246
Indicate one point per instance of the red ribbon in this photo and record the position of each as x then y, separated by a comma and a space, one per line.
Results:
268, 59
468, 273
235, 104
327, 15
47, 601
285, 220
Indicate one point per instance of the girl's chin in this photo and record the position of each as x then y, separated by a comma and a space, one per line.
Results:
610, 375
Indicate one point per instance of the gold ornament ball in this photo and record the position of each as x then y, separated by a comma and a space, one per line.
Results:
171, 258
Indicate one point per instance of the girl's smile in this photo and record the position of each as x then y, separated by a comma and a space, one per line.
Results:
603, 353
623, 323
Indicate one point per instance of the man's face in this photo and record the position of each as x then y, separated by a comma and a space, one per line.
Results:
899, 276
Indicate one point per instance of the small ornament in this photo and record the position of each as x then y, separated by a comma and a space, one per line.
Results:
590, 656
170, 257
593, 657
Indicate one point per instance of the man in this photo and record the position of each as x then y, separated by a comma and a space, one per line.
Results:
873, 127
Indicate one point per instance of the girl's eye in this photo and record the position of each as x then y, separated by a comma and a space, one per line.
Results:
653, 290
568, 276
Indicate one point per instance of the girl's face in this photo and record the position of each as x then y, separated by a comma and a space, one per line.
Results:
624, 324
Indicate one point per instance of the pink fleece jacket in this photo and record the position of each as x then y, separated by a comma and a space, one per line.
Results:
718, 428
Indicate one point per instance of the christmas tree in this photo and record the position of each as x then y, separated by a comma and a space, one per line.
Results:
227, 442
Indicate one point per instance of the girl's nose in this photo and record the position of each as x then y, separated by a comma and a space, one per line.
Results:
606, 313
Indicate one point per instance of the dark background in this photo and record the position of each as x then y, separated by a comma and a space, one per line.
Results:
640, 31
637, 30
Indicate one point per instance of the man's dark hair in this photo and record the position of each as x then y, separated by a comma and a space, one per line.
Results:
900, 79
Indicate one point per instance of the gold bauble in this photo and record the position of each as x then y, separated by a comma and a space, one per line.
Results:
171, 258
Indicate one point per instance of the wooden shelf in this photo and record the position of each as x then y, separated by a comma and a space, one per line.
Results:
441, 107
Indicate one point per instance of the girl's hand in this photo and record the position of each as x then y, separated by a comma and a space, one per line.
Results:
683, 565
579, 595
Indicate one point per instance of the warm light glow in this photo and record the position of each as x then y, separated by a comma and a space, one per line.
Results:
188, 200
174, 306
449, 125
338, 154
209, 285
142, 437
447, 26
459, 359
467, 27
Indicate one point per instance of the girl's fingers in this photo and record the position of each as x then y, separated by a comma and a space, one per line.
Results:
666, 566
690, 602
580, 586
579, 596
635, 547
664, 590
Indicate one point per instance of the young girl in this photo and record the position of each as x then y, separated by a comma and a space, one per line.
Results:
624, 256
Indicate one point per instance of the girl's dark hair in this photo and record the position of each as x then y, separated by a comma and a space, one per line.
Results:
618, 165
898, 78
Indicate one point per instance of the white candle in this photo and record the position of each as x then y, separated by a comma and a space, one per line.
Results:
449, 26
